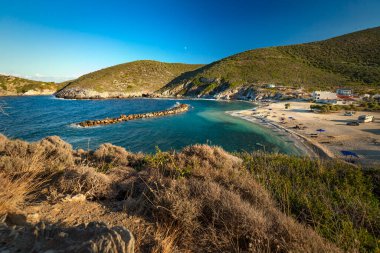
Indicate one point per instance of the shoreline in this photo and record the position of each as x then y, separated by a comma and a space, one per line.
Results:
327, 135
302, 143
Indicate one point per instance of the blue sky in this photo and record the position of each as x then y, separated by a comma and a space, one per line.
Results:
60, 40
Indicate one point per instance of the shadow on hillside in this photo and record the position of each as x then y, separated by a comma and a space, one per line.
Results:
186, 76
17, 235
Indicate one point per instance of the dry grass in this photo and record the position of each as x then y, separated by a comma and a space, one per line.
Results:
25, 168
165, 240
217, 207
199, 200
14, 193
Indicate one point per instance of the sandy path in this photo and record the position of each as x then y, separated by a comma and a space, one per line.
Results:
364, 140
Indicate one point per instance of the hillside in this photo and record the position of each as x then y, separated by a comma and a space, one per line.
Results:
199, 199
125, 80
11, 85
351, 60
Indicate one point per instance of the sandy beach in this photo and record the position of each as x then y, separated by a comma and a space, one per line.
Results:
301, 124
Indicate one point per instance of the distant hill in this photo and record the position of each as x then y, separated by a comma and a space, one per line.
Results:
351, 60
11, 85
125, 80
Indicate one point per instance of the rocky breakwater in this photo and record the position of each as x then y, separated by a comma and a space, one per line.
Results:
179, 108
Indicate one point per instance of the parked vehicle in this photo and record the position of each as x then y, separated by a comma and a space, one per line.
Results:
366, 118
353, 123
349, 113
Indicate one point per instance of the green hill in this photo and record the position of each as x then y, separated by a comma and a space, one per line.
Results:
350, 60
11, 85
129, 79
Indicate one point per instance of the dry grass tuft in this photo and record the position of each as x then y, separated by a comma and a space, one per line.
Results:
16, 191
165, 240
85, 180
110, 154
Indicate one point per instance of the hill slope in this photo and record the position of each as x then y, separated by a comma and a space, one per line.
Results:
11, 85
349, 60
125, 80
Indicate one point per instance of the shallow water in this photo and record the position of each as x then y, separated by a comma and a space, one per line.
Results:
35, 117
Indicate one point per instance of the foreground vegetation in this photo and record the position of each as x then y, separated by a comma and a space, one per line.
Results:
334, 198
352, 60
201, 199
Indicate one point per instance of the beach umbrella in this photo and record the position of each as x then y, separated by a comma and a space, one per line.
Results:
321, 130
349, 153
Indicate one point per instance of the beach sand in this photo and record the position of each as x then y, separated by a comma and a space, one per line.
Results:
299, 122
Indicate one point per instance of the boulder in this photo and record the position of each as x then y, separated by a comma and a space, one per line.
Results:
94, 237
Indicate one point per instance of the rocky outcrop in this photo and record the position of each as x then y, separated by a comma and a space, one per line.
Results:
94, 237
78, 93
223, 91
180, 108
38, 92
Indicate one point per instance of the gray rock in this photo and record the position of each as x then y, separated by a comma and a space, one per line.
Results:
94, 237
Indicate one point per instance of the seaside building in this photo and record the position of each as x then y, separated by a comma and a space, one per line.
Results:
344, 93
325, 97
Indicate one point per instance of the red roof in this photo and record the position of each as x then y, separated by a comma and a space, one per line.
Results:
345, 97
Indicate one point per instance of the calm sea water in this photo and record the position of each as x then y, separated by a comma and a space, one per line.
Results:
35, 117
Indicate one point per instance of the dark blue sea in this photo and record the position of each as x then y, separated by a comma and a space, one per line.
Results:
34, 117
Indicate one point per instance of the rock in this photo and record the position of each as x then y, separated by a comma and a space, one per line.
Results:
33, 218
93, 238
78, 197
175, 110
81, 93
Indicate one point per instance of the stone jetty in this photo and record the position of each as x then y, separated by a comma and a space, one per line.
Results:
179, 108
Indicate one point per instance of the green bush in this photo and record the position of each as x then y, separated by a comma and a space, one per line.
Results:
363, 106
334, 198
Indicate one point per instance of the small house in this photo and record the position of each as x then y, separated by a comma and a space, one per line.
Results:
325, 97
344, 93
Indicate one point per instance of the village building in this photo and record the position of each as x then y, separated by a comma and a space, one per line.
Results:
325, 97
344, 93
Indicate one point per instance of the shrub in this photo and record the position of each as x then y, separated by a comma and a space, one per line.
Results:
334, 198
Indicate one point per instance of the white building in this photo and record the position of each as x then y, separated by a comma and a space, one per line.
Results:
344, 92
325, 97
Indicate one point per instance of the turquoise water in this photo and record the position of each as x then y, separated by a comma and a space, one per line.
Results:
35, 117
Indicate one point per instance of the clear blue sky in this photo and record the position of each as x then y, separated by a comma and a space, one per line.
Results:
58, 40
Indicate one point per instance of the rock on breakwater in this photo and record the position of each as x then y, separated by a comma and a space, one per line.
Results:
179, 108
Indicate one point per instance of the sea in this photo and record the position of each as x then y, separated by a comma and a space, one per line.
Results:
32, 118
